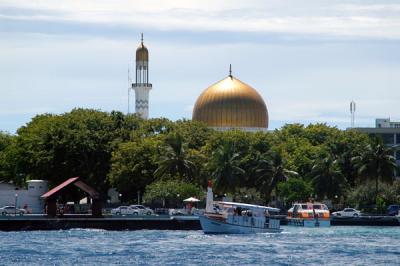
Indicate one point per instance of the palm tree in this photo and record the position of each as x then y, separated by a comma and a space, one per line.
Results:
175, 161
270, 171
225, 168
327, 177
377, 162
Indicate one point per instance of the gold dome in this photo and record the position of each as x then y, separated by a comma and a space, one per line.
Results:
230, 103
142, 54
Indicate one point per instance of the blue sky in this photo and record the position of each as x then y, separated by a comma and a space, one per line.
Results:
308, 59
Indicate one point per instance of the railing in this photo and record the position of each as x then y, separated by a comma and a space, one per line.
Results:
134, 85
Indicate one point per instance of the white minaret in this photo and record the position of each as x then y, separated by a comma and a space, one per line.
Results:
142, 86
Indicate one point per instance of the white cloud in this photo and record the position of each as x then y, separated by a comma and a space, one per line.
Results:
257, 16
301, 80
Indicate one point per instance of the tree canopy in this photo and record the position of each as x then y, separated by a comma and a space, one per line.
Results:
112, 149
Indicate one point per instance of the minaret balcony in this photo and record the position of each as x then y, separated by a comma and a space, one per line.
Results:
134, 85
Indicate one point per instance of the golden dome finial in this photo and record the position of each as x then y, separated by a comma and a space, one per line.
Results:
230, 70
142, 54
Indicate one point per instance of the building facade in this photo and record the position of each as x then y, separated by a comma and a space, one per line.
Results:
11, 195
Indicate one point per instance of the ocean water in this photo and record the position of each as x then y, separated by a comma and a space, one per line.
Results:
295, 246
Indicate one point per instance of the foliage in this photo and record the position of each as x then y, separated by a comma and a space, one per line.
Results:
295, 189
327, 178
364, 196
133, 165
248, 195
170, 193
226, 170
111, 149
174, 160
377, 163
270, 171
7, 165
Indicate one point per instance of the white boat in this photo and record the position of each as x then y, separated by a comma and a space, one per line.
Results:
222, 217
309, 215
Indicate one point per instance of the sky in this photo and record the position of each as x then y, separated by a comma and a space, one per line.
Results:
308, 59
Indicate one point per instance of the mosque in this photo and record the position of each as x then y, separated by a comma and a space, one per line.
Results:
227, 104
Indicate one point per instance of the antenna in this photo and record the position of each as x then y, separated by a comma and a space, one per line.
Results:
129, 90
352, 112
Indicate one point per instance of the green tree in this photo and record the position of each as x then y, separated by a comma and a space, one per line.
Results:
7, 163
295, 189
271, 171
78, 143
377, 163
174, 160
196, 134
170, 193
133, 165
224, 166
364, 195
5, 140
327, 178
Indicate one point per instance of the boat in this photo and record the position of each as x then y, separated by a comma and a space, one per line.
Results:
310, 214
224, 217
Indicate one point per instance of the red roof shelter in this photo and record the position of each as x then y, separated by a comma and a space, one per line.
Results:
51, 196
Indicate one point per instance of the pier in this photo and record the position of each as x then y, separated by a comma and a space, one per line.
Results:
366, 220
28, 223
162, 222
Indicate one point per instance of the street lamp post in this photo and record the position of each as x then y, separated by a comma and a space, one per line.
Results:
15, 206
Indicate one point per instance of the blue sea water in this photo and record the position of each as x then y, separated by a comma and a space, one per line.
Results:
295, 246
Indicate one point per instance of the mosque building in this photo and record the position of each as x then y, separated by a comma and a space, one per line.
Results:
231, 104
227, 104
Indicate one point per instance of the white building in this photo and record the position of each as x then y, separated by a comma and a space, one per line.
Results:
386, 123
12, 195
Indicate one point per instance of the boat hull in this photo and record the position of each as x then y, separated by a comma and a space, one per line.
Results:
211, 226
309, 222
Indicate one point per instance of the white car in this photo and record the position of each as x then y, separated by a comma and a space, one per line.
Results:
143, 210
11, 210
124, 210
347, 212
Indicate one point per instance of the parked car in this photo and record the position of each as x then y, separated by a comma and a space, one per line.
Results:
11, 210
393, 210
347, 212
143, 210
175, 212
125, 210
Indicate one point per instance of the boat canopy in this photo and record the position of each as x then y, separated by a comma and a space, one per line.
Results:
248, 206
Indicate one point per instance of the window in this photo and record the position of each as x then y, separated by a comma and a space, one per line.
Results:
398, 138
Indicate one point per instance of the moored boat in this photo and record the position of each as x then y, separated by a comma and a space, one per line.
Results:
309, 215
222, 217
